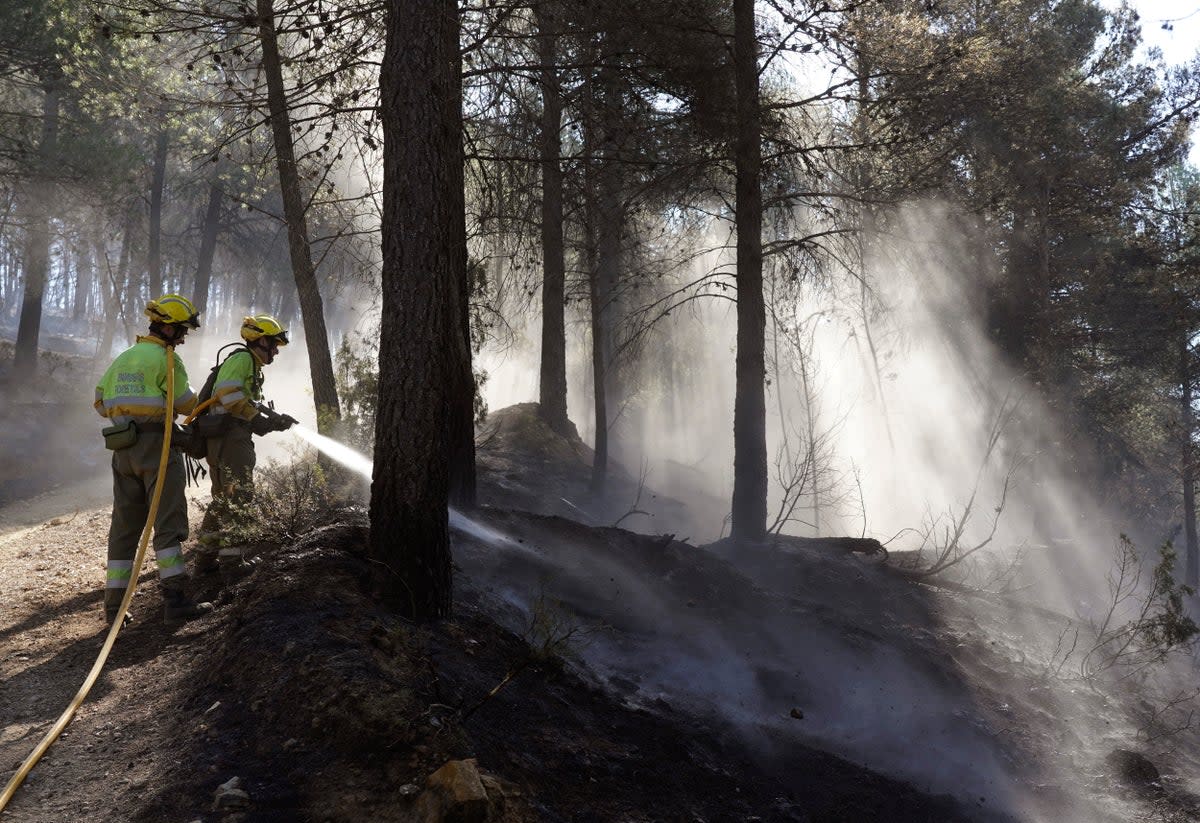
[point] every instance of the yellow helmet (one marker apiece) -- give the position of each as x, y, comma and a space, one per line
263, 325
173, 309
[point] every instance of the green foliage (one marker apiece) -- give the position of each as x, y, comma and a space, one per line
357, 377
1143, 624
480, 376
290, 499
1168, 626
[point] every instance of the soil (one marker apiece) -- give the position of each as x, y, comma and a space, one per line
327, 707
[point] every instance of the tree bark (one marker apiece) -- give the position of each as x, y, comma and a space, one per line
423, 251
608, 217
208, 248
131, 309
316, 337
110, 296
37, 247
552, 387
749, 510
597, 188
1187, 464
458, 341
599, 344
85, 275
154, 273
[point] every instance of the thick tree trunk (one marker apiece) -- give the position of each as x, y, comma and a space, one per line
154, 270
423, 252
461, 418
316, 337
37, 242
208, 248
552, 389
1188, 462
749, 514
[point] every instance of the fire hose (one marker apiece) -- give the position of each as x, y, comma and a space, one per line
65, 718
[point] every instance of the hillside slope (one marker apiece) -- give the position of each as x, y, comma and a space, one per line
592, 673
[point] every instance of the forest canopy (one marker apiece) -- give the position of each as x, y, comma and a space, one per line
580, 175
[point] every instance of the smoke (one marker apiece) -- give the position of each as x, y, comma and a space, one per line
890, 412
892, 415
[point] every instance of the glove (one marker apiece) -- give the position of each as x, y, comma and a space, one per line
260, 424
269, 420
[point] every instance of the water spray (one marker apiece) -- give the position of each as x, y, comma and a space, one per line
341, 453
364, 466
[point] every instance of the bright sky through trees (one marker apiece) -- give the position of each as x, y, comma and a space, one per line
1174, 27
1181, 37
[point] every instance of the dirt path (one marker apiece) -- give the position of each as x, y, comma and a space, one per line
52, 556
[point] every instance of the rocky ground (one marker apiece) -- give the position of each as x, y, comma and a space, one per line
589, 674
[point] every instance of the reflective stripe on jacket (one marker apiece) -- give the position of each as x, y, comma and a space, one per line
135, 385
239, 386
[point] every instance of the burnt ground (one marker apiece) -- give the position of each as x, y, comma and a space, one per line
329, 708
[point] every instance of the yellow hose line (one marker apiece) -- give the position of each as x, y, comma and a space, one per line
196, 411
69, 712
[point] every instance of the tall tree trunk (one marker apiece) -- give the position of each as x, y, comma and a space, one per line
208, 247
85, 275
131, 307
594, 171
423, 253
1187, 464
552, 387
599, 345
461, 417
316, 337
609, 221
749, 514
154, 272
37, 247
613, 129
110, 297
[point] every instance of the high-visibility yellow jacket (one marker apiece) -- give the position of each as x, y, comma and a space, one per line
239, 385
135, 385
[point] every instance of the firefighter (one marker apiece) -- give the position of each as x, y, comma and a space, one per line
132, 394
238, 414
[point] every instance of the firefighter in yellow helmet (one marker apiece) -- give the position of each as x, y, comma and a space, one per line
238, 414
132, 394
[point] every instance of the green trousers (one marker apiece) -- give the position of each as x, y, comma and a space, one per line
135, 477
231, 462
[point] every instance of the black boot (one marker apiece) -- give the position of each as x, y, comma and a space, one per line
177, 606
111, 614
112, 605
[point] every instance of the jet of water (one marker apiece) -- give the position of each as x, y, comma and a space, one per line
348, 457
362, 465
